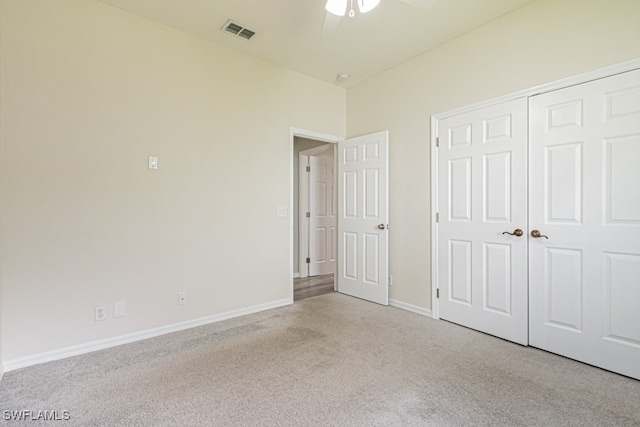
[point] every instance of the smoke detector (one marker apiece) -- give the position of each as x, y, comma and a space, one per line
342, 77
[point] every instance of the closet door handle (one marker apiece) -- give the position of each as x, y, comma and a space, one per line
536, 234
516, 232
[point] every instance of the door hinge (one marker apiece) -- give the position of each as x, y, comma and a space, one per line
437, 216
308, 214
308, 260
438, 293
437, 141
308, 168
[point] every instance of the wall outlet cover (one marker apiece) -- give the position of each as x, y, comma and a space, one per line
182, 298
99, 313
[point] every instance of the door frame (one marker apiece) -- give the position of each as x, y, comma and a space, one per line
536, 90
304, 236
307, 134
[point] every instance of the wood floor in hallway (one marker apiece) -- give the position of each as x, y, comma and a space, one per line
308, 287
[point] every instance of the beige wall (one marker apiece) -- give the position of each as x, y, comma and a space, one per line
88, 93
543, 41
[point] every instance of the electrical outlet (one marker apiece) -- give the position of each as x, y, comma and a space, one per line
119, 309
182, 298
390, 280
99, 313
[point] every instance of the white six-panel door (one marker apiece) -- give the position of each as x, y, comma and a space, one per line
363, 243
482, 196
322, 215
581, 240
585, 198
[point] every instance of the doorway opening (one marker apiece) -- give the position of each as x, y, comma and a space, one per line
314, 209
313, 204
361, 208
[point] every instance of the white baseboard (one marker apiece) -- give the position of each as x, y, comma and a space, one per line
410, 307
62, 353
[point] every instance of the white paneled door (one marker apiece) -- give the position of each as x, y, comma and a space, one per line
482, 205
585, 222
538, 237
363, 236
322, 215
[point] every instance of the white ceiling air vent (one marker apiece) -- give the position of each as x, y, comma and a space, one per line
238, 30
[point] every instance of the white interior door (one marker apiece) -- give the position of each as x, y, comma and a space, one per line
482, 195
585, 198
363, 242
322, 215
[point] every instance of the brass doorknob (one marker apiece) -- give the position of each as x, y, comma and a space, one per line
516, 232
536, 234
382, 226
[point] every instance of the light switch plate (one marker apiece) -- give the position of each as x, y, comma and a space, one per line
120, 309
153, 162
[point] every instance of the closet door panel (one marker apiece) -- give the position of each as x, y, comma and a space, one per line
482, 196
584, 187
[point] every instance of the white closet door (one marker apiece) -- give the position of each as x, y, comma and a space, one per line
482, 195
585, 202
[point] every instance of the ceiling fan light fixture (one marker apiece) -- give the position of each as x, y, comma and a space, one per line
337, 7
367, 5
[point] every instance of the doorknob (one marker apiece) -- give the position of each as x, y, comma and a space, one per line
536, 234
382, 226
516, 232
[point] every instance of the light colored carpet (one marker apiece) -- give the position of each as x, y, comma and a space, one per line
330, 360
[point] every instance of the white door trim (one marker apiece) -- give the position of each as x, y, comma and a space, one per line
435, 314
536, 90
547, 87
301, 133
303, 223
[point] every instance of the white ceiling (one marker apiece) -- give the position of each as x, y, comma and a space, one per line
288, 32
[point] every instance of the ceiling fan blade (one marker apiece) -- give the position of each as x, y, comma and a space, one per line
422, 4
330, 25
337, 7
